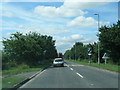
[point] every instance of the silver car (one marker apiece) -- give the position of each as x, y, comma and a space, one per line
58, 62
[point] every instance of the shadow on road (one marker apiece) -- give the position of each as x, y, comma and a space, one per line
57, 67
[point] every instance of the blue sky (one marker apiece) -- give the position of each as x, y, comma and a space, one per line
67, 22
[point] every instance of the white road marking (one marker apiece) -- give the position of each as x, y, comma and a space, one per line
66, 65
71, 69
92, 84
74, 65
31, 80
79, 75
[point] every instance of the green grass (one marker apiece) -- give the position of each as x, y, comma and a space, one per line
0, 83
19, 70
10, 82
110, 67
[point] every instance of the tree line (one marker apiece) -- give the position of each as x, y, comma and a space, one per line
109, 42
30, 49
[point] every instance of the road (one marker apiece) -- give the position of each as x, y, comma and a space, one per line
73, 76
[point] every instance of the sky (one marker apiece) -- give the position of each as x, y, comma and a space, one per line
66, 21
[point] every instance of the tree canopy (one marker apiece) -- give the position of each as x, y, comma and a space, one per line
31, 48
109, 41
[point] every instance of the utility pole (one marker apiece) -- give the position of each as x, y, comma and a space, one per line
98, 39
75, 50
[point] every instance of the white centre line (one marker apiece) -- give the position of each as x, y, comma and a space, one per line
71, 69
79, 75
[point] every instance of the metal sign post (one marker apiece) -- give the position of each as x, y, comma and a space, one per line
89, 53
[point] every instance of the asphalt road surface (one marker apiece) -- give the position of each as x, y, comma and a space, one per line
73, 76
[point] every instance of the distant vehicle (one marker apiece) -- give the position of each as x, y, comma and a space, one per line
58, 62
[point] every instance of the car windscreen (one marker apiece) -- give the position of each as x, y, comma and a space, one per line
59, 60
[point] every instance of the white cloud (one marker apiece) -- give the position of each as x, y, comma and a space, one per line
85, 22
7, 14
53, 12
82, 22
65, 43
70, 8
37, 28
85, 4
41, 29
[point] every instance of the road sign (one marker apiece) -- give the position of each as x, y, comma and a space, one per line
89, 51
105, 56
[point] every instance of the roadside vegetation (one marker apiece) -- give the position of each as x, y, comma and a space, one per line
8, 80
25, 53
31, 49
23, 68
109, 43
0, 70
107, 66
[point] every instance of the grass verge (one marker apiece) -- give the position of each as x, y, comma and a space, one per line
110, 67
10, 82
19, 70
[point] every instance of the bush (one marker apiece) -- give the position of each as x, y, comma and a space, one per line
23, 66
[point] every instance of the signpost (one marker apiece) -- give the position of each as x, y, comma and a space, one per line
89, 53
105, 56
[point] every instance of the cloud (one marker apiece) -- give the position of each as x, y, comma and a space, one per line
74, 38
85, 4
70, 8
7, 14
53, 12
37, 28
81, 21
49, 30
65, 43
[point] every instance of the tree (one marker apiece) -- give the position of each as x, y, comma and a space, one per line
67, 54
30, 48
110, 40
78, 52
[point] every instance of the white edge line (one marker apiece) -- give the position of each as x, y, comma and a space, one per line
71, 69
79, 75
31, 80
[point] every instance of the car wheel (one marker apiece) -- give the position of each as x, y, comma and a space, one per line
54, 66
62, 65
